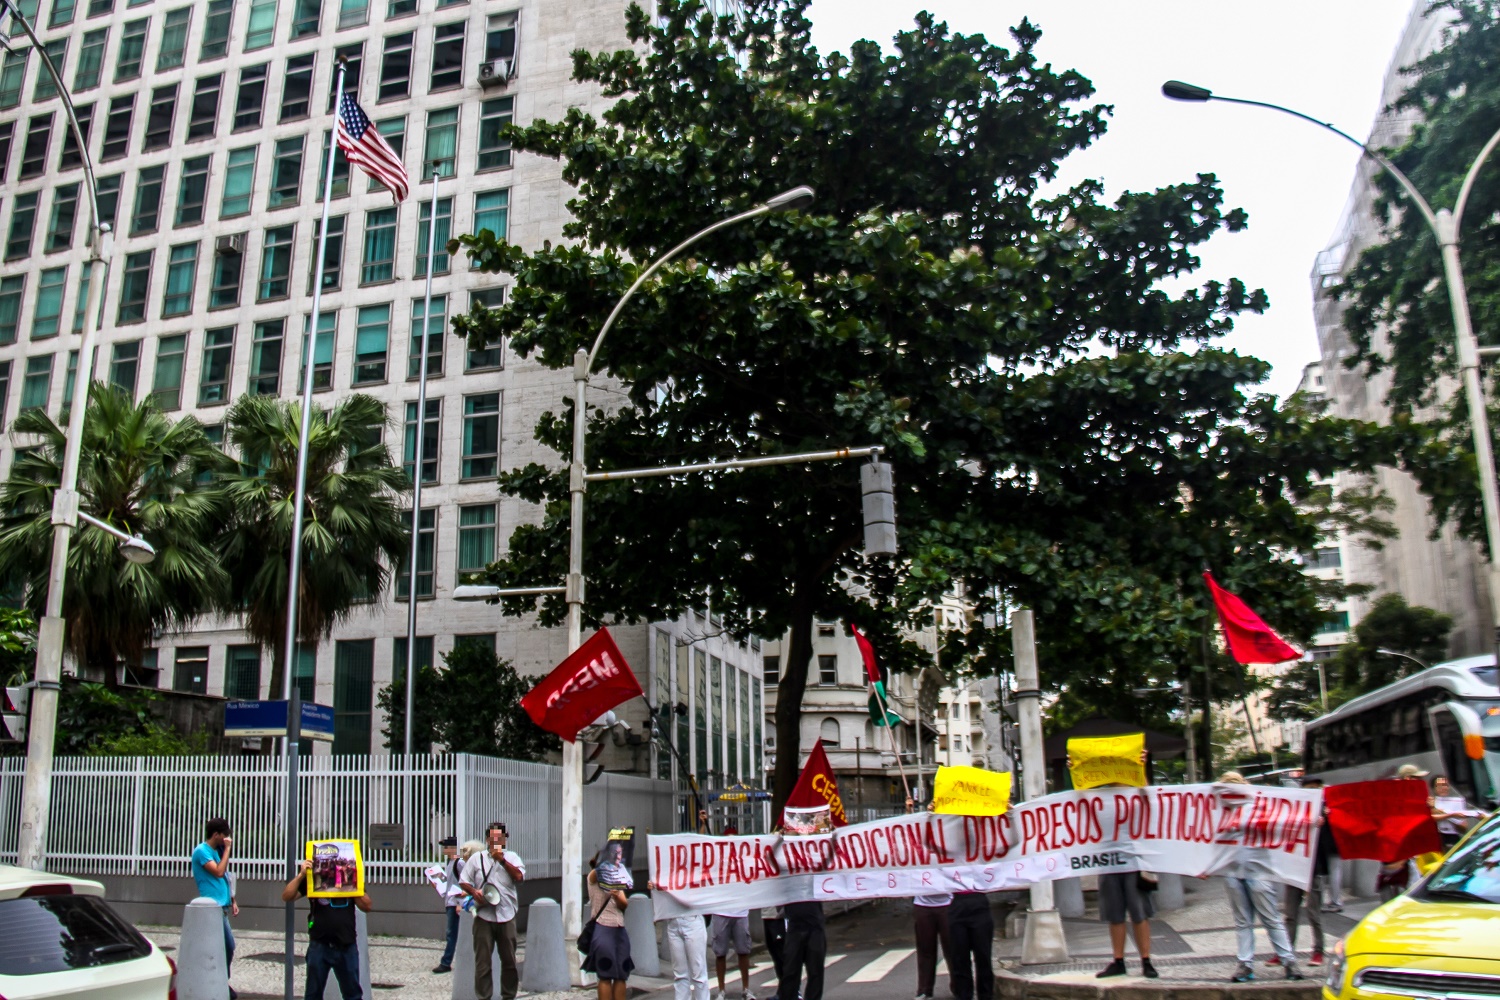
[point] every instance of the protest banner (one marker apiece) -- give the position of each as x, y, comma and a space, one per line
1182, 829
817, 787
1382, 820
1108, 760
970, 791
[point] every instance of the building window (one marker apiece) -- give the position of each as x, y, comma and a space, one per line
242, 673
286, 173
476, 541
322, 351
57, 51
437, 326
448, 56
770, 669
37, 385
305, 677
192, 191
100, 8
393, 131
276, 264
333, 255
70, 156
174, 36
64, 217
430, 430
22, 225
492, 212
250, 101
296, 88
421, 657
49, 301
828, 670
494, 149
426, 546
229, 266
7, 137
441, 152
476, 640
109, 197
80, 306
828, 733
182, 276
159, 120
147, 213
34, 153
239, 183
135, 287
203, 118
10, 307
218, 363
190, 672
353, 13
216, 24
340, 171
1338, 621
493, 353
481, 451
12, 77
132, 49
70, 378
4, 390
305, 22
117, 127
265, 358
1324, 557
372, 340
353, 692
166, 381
395, 67
125, 366
261, 30
424, 234
379, 259
400, 8
62, 13
90, 59
500, 38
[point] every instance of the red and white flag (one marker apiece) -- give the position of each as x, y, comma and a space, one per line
367, 149
590, 682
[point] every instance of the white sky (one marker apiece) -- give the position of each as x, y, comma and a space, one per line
1326, 58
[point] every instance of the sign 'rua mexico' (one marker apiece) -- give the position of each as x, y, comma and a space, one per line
1186, 829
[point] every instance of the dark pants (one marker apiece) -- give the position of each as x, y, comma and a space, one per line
452, 942
806, 946
971, 931
932, 931
342, 962
1312, 901
489, 935
775, 928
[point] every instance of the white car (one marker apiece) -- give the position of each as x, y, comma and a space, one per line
59, 938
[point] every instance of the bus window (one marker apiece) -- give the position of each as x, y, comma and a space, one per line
1456, 763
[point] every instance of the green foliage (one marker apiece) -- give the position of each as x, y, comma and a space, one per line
91, 716
17, 645
155, 740
473, 705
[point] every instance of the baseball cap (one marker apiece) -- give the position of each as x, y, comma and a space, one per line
1410, 771
448, 842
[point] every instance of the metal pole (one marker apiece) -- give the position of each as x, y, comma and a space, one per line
1192, 744
1043, 941
572, 762
36, 785
293, 830
1323, 687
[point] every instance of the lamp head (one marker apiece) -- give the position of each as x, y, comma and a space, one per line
792, 199
475, 592
1179, 91
138, 550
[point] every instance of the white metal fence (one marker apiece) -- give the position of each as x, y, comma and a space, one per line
144, 815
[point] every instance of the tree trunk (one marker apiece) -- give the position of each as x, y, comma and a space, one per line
790, 688
1208, 705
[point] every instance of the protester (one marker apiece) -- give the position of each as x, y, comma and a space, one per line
971, 935
210, 865
494, 923
452, 870
731, 928
930, 918
687, 942
773, 925
1121, 897
332, 941
806, 947
609, 950
1325, 853
1251, 896
1451, 811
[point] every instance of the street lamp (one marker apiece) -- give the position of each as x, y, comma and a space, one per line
1405, 656
134, 548
1445, 227
36, 786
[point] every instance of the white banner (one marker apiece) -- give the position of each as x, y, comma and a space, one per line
1244, 830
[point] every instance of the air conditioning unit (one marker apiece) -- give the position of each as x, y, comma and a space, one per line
495, 73
234, 244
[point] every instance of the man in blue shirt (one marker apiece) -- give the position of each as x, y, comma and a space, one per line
210, 871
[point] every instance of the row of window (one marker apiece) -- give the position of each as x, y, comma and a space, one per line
828, 670
446, 71
722, 733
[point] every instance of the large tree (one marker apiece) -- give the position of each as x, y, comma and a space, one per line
143, 472
1054, 415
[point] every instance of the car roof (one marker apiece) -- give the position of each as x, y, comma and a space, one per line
15, 881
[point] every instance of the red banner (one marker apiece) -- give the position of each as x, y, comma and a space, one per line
1249, 638
1383, 820
818, 786
590, 682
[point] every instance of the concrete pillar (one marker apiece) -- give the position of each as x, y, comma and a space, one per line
362, 942
546, 967
1169, 894
1360, 876
463, 958
1068, 893
202, 969
1043, 942
640, 924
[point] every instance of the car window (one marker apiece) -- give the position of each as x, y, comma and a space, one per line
42, 934
1471, 873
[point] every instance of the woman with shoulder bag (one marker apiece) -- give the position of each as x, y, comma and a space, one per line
608, 952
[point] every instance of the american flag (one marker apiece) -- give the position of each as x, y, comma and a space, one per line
365, 147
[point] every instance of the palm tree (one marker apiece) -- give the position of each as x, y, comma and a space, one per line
145, 473
353, 525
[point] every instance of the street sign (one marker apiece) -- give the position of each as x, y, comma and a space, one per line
268, 718
13, 715
387, 837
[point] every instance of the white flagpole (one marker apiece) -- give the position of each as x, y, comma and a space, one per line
885, 717
294, 571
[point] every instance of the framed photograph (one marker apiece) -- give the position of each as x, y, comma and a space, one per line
335, 869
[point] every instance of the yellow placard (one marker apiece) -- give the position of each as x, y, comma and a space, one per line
335, 868
1108, 760
970, 791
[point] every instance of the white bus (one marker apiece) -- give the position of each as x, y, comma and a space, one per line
1445, 719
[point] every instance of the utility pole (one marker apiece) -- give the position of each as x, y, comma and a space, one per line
1043, 943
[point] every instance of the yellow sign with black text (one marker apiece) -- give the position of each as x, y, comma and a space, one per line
970, 791
1108, 760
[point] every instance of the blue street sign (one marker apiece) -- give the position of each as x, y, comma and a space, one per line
268, 718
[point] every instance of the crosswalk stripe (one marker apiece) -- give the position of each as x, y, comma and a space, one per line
831, 959
875, 971
942, 968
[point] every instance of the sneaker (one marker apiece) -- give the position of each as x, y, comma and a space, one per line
1115, 968
922, 996
1274, 960
1148, 970
1242, 973
1333, 907
747, 995
1292, 972
440, 968
1316, 959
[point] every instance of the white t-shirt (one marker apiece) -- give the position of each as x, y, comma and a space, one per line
481, 869
936, 899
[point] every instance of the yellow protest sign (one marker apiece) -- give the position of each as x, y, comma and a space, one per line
1108, 760
970, 791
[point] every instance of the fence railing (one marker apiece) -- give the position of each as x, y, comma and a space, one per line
144, 815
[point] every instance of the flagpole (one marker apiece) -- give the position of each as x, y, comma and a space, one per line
885, 717
294, 569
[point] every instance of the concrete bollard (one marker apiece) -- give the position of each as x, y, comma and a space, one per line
202, 971
463, 958
1169, 895
362, 942
1360, 877
546, 967
640, 925
1069, 897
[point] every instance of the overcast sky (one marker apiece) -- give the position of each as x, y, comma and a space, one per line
1327, 58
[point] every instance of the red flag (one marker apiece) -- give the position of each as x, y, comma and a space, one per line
1383, 820
818, 786
868, 652
590, 682
1250, 639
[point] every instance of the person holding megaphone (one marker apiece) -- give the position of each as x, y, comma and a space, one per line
490, 878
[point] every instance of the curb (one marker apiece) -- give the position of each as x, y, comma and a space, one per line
1011, 986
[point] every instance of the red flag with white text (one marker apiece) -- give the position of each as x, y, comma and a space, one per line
818, 786
590, 682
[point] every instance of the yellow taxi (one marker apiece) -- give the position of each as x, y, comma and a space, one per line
1439, 941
